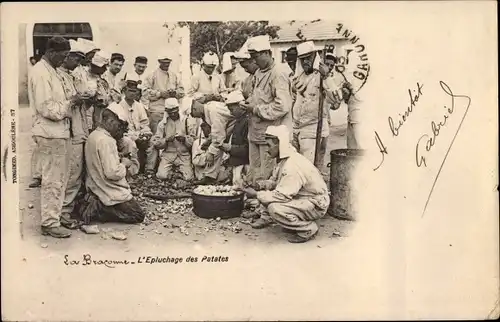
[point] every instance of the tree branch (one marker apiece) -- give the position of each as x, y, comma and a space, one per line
234, 33
217, 45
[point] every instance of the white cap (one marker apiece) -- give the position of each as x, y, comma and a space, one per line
132, 77
210, 59
259, 43
86, 45
76, 47
243, 53
171, 103
305, 48
118, 110
165, 56
227, 63
101, 58
283, 135
234, 97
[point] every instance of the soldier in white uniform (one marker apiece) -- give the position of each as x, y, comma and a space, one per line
51, 129
296, 195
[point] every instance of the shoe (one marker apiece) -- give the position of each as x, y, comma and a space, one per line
288, 231
346, 217
68, 222
35, 183
260, 223
251, 203
249, 215
296, 239
56, 232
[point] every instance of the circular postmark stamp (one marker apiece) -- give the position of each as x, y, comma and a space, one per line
351, 59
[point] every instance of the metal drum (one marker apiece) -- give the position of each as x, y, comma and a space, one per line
342, 164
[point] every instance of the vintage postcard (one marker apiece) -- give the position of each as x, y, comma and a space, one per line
249, 161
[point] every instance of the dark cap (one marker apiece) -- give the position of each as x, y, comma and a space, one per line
58, 43
141, 60
291, 54
291, 51
117, 56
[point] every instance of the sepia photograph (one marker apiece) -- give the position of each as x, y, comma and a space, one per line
203, 131
249, 161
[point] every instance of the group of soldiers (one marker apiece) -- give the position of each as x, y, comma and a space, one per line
95, 128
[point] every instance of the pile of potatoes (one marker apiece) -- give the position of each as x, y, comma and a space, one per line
225, 191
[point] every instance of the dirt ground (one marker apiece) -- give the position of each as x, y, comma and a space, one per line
182, 227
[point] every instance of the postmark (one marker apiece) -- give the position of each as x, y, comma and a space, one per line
352, 59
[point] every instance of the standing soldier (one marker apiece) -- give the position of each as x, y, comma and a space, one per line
338, 90
249, 65
306, 84
353, 102
229, 76
207, 84
52, 132
291, 59
269, 104
95, 87
140, 66
79, 132
139, 131
163, 83
89, 48
115, 82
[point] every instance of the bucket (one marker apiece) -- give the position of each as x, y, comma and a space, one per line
342, 164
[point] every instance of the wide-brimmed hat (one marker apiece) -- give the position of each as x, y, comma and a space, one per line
305, 48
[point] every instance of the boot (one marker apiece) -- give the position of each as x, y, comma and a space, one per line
56, 232
35, 183
68, 222
260, 223
296, 239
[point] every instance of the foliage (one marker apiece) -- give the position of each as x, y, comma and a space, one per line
223, 36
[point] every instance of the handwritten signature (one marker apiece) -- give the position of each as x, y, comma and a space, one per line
436, 128
428, 139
